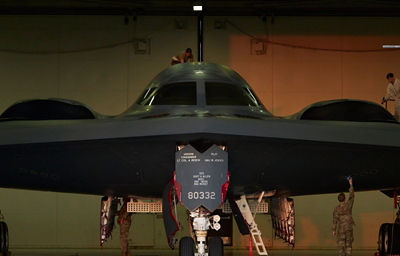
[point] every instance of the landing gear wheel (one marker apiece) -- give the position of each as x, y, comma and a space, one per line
384, 239
3, 238
215, 246
389, 239
186, 246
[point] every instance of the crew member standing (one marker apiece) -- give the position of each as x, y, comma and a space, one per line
124, 221
186, 56
393, 93
343, 222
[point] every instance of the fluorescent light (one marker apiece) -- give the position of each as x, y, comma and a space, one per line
197, 8
390, 46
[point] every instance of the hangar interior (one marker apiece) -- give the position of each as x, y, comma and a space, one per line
105, 61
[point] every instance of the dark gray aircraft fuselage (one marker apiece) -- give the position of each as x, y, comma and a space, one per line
199, 104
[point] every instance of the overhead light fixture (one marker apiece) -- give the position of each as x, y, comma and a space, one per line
197, 6
391, 46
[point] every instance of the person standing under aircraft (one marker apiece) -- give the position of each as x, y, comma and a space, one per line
343, 222
186, 56
393, 93
124, 221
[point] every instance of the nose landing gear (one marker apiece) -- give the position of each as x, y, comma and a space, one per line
201, 181
201, 223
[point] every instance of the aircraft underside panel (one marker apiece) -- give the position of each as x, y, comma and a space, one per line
125, 166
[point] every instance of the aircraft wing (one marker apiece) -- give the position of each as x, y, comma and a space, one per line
136, 156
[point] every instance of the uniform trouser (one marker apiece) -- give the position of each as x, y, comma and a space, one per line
397, 109
344, 241
124, 235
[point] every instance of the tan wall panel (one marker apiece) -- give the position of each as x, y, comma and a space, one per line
302, 77
23, 78
255, 69
26, 214
98, 78
366, 74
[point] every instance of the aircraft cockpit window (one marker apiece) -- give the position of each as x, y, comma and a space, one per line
170, 94
228, 94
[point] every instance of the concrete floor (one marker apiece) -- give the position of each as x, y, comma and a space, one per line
148, 252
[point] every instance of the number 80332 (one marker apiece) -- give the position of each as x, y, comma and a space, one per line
201, 195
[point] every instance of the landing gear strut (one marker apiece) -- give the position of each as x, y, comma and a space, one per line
201, 223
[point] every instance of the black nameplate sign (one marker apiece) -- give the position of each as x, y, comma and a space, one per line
201, 177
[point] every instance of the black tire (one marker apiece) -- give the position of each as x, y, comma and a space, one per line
396, 239
386, 239
3, 238
215, 246
186, 246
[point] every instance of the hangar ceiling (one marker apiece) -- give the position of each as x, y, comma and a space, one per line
211, 7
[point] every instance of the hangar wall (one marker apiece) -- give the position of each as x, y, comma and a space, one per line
86, 59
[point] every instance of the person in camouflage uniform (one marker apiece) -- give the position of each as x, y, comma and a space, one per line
343, 222
124, 221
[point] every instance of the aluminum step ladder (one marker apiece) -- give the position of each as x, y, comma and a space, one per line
254, 231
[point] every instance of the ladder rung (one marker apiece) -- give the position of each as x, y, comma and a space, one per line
258, 242
254, 231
